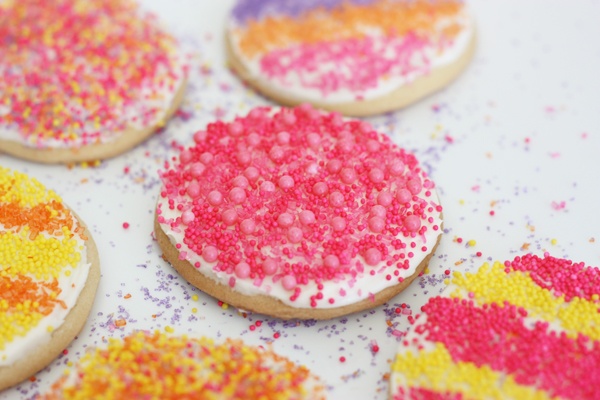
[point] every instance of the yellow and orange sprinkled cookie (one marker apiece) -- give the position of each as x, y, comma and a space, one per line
83, 80
358, 57
523, 329
49, 272
155, 366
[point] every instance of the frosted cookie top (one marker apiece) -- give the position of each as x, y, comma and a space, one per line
346, 50
43, 264
300, 205
527, 328
145, 365
75, 73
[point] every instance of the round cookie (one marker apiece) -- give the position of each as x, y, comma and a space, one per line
49, 273
83, 80
522, 329
358, 57
183, 367
297, 213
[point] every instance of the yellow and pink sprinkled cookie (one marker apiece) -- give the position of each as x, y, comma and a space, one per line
358, 57
297, 213
49, 272
156, 366
83, 80
522, 329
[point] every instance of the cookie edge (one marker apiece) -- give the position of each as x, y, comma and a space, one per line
41, 356
271, 306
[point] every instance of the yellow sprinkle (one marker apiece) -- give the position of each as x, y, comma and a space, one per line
553, 242
471, 243
195, 297
169, 329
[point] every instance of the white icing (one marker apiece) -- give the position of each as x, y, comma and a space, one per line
71, 286
294, 88
363, 287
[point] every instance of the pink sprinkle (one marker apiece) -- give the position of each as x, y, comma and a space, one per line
269, 266
338, 224
384, 199
237, 195
193, 190
336, 199
331, 261
376, 224
412, 223
403, 195
286, 182
197, 169
288, 282
306, 217
210, 254
320, 188
187, 217
285, 219
248, 226
229, 216
294, 234
373, 256
242, 270
347, 175
215, 198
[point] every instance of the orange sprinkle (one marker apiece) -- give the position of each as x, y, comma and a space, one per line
348, 21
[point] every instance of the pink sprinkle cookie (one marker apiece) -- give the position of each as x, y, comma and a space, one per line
522, 329
358, 57
83, 80
297, 213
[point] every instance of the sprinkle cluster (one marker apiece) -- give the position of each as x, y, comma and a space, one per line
78, 72
527, 328
345, 45
37, 246
158, 366
296, 199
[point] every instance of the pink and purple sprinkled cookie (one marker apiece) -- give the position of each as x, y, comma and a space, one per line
358, 57
522, 329
83, 80
49, 273
297, 213
157, 366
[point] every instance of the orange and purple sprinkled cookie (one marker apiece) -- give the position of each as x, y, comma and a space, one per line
523, 329
297, 213
83, 80
358, 57
156, 366
49, 272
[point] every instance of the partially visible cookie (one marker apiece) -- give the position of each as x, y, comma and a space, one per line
358, 57
83, 80
522, 329
145, 365
49, 272
297, 213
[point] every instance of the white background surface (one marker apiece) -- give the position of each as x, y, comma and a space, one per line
517, 134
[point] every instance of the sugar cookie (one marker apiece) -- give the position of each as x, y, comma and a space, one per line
523, 329
358, 57
49, 272
296, 213
83, 80
145, 365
